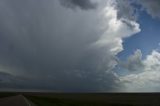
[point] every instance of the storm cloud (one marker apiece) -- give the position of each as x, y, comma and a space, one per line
60, 49
151, 6
126, 10
82, 4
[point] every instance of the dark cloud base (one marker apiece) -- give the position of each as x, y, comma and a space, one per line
82, 4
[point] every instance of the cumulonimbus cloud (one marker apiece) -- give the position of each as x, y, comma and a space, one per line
62, 49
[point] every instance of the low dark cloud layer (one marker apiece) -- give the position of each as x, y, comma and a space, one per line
9, 82
82, 4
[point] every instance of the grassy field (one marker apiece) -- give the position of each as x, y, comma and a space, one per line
52, 101
90, 99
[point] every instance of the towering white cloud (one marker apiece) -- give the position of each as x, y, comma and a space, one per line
115, 29
152, 61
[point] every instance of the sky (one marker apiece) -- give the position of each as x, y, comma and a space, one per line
80, 45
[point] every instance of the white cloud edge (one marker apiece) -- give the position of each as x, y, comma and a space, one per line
147, 79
